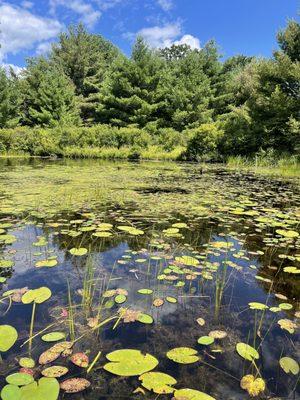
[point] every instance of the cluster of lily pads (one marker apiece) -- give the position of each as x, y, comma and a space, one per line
181, 245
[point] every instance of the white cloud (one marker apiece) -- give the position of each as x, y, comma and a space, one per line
22, 30
190, 40
161, 36
166, 5
166, 36
87, 13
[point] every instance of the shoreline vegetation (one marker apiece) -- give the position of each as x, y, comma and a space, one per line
171, 104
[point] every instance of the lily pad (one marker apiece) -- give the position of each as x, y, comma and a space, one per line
46, 263
80, 359
8, 337
26, 362
75, 385
254, 386
145, 291
53, 336
206, 340
247, 352
258, 306
19, 379
56, 371
11, 392
158, 382
289, 365
145, 318
44, 389
120, 299
183, 355
78, 251
37, 296
129, 362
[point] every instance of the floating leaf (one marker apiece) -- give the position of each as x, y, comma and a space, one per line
6, 263
247, 352
200, 321
285, 306
130, 362
53, 336
287, 234
217, 334
75, 385
26, 362
44, 389
80, 359
289, 365
19, 379
145, 318
120, 299
78, 251
183, 355
56, 371
253, 386
187, 260
190, 394
158, 382
145, 291
287, 325
8, 337
206, 340
37, 295
258, 306
171, 299
158, 302
11, 392
46, 263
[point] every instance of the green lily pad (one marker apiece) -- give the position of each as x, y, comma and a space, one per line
44, 389
37, 296
7, 239
287, 234
183, 355
26, 362
170, 299
19, 379
188, 260
247, 352
56, 371
289, 365
285, 306
145, 291
190, 394
145, 318
8, 337
120, 299
130, 362
78, 252
46, 263
53, 336
158, 382
206, 340
11, 392
258, 306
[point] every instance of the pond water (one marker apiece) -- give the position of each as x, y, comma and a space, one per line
149, 257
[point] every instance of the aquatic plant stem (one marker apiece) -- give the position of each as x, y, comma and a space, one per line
93, 362
31, 326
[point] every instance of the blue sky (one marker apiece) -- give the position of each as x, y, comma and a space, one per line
239, 26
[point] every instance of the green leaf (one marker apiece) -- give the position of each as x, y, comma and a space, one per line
145, 291
145, 318
53, 336
206, 340
190, 394
26, 362
158, 382
36, 295
19, 379
130, 362
120, 299
289, 365
78, 252
11, 392
44, 389
247, 352
8, 337
183, 355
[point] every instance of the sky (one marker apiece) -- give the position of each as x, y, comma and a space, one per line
247, 27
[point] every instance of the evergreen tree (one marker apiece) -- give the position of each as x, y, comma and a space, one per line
85, 58
9, 100
49, 96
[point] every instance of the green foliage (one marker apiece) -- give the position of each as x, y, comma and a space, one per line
49, 96
203, 142
9, 100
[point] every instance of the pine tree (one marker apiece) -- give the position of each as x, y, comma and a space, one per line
49, 96
85, 58
9, 100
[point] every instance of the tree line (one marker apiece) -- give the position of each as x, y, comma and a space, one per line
231, 107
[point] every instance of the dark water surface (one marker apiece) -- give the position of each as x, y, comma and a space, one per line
236, 244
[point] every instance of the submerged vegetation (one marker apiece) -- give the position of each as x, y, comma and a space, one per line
146, 281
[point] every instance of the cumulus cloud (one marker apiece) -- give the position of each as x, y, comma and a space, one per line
166, 5
22, 30
190, 40
43, 48
88, 14
166, 36
17, 70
